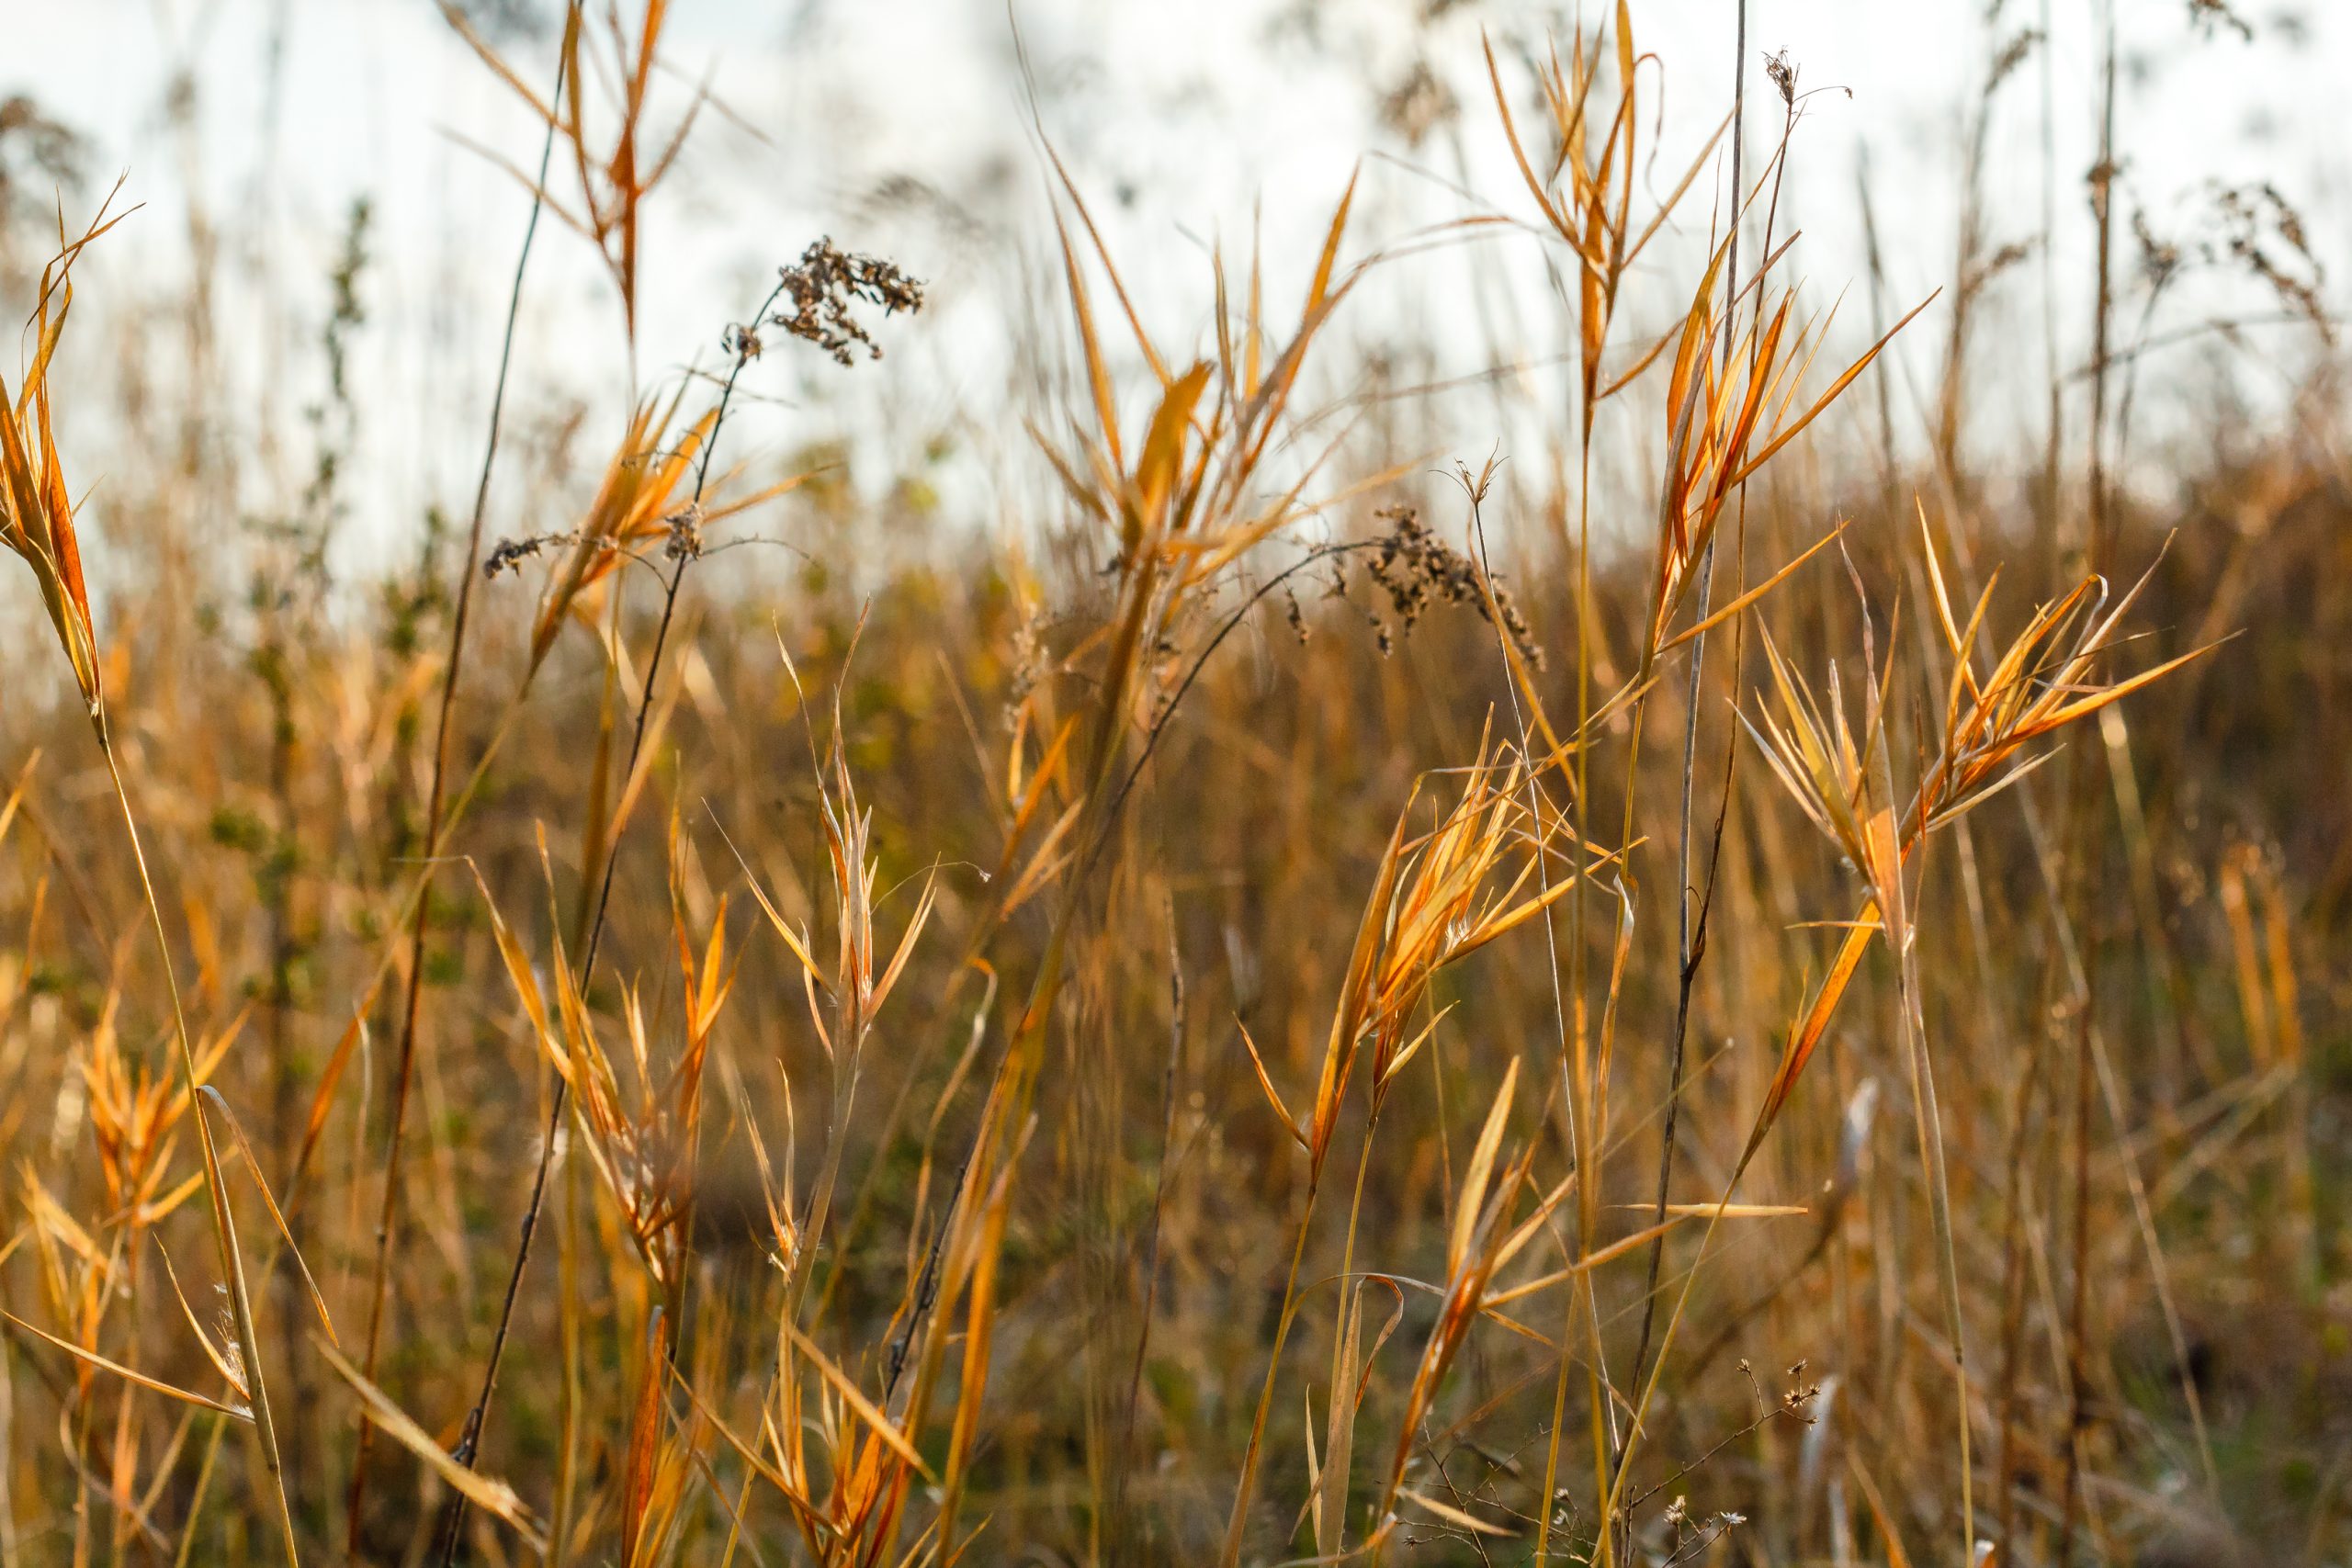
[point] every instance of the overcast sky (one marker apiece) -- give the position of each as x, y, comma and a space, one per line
900, 125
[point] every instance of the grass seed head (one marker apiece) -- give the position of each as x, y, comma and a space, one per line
36, 508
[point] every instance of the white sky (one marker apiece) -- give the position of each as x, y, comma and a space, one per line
1174, 117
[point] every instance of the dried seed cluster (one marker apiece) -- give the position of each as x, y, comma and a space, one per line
1414, 567
1030, 664
510, 554
2209, 14
822, 287
685, 525
2254, 221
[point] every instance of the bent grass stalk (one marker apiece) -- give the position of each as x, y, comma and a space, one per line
224, 1225
36, 522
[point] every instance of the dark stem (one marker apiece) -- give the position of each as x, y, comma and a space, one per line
2103, 209
404, 1072
2095, 543
1160, 724
2013, 1299
278, 877
1691, 937
1159, 1184
470, 1440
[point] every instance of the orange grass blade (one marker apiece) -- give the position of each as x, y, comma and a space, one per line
269, 1202
884, 1427
142, 1378
492, 1495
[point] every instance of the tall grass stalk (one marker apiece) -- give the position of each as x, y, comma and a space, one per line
224, 1224
404, 1071
469, 1447
1686, 939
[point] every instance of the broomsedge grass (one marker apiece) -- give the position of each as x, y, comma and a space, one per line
881, 1241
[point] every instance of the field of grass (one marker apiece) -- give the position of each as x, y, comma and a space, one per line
1226, 1022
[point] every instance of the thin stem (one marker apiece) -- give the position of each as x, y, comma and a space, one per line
1690, 934
1572, 1057
1160, 1183
470, 1441
1339, 1328
1929, 1128
435, 825
224, 1224
2013, 1299
2095, 548
2103, 209
1239, 1520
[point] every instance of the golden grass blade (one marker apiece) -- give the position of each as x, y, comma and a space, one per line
1098, 374
17, 795
153, 1385
1681, 188
644, 1446
804, 1512
1642, 362
1103, 253
505, 72
2083, 708
1319, 291
1790, 432
230, 1373
1806, 1036
1535, 186
794, 942
1480, 1172
643, 772
1413, 1047
1888, 1530
1313, 1508
884, 1427
907, 941
354, 1034
1330, 1488
1454, 1515
489, 1494
1265, 1082
1599, 1256
269, 1202
1163, 445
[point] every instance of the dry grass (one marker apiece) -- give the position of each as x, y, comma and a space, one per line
916, 1029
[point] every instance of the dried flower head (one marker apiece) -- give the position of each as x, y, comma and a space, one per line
1414, 567
2013, 54
1784, 76
742, 342
1417, 105
824, 286
684, 542
2209, 14
510, 554
1027, 669
2261, 232
2159, 257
